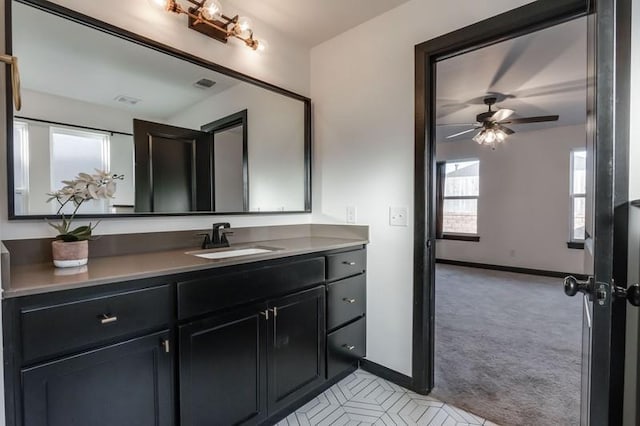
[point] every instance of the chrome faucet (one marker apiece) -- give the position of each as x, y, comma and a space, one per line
218, 237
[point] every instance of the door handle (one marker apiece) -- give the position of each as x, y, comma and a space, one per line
573, 286
631, 293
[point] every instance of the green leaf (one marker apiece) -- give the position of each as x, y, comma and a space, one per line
67, 238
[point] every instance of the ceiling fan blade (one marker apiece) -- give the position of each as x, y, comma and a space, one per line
462, 133
507, 130
539, 119
502, 114
456, 124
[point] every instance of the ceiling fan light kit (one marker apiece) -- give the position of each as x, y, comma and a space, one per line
206, 17
491, 124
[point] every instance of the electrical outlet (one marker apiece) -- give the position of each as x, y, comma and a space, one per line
398, 216
351, 214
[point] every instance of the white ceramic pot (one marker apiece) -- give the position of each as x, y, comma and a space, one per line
71, 254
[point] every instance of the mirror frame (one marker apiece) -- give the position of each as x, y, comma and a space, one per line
112, 30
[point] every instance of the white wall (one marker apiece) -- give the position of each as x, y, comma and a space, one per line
362, 86
275, 132
285, 64
524, 205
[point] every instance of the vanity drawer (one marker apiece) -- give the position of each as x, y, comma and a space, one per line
345, 264
345, 347
63, 328
346, 300
223, 290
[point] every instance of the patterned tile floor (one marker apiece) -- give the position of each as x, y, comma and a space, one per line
365, 399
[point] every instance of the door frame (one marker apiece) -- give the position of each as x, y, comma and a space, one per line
613, 81
237, 119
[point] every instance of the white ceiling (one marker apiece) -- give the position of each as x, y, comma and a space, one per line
542, 73
88, 65
312, 21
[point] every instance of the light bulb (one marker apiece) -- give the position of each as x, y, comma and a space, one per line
244, 24
211, 9
158, 4
491, 136
500, 135
262, 45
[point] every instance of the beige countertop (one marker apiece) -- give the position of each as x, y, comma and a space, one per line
30, 279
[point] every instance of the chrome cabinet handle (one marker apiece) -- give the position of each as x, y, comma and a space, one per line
349, 347
107, 319
349, 263
349, 300
265, 313
165, 345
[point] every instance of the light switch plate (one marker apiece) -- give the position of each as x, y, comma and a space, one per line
351, 214
398, 216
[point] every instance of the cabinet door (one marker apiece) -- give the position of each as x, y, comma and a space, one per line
127, 384
296, 352
222, 369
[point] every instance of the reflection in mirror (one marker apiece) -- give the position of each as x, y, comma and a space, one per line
186, 138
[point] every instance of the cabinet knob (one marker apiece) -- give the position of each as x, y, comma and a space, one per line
346, 299
108, 319
349, 347
349, 263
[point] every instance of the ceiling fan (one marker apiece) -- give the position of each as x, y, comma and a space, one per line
491, 124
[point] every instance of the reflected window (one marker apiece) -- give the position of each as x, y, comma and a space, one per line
461, 189
578, 193
21, 167
75, 151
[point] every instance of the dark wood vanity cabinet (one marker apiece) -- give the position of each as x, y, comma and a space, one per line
240, 367
346, 307
238, 345
129, 383
223, 369
296, 346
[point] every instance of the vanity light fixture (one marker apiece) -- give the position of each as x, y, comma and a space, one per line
15, 79
206, 17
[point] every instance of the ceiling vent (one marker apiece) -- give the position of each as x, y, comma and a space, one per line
204, 83
127, 100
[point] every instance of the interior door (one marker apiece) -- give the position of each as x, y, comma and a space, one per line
173, 167
606, 220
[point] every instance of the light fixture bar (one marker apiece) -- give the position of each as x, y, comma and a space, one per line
220, 29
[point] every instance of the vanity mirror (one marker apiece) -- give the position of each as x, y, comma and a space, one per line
189, 136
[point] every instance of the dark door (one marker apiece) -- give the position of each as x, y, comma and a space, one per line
606, 214
223, 370
608, 34
130, 384
296, 353
173, 168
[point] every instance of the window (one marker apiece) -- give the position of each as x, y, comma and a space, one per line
75, 151
21, 167
458, 191
578, 194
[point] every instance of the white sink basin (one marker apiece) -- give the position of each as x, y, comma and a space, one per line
225, 253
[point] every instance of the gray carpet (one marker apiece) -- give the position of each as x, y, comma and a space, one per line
507, 346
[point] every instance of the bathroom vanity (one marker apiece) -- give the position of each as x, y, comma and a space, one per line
239, 340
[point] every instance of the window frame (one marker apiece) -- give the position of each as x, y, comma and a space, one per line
461, 236
574, 243
23, 151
